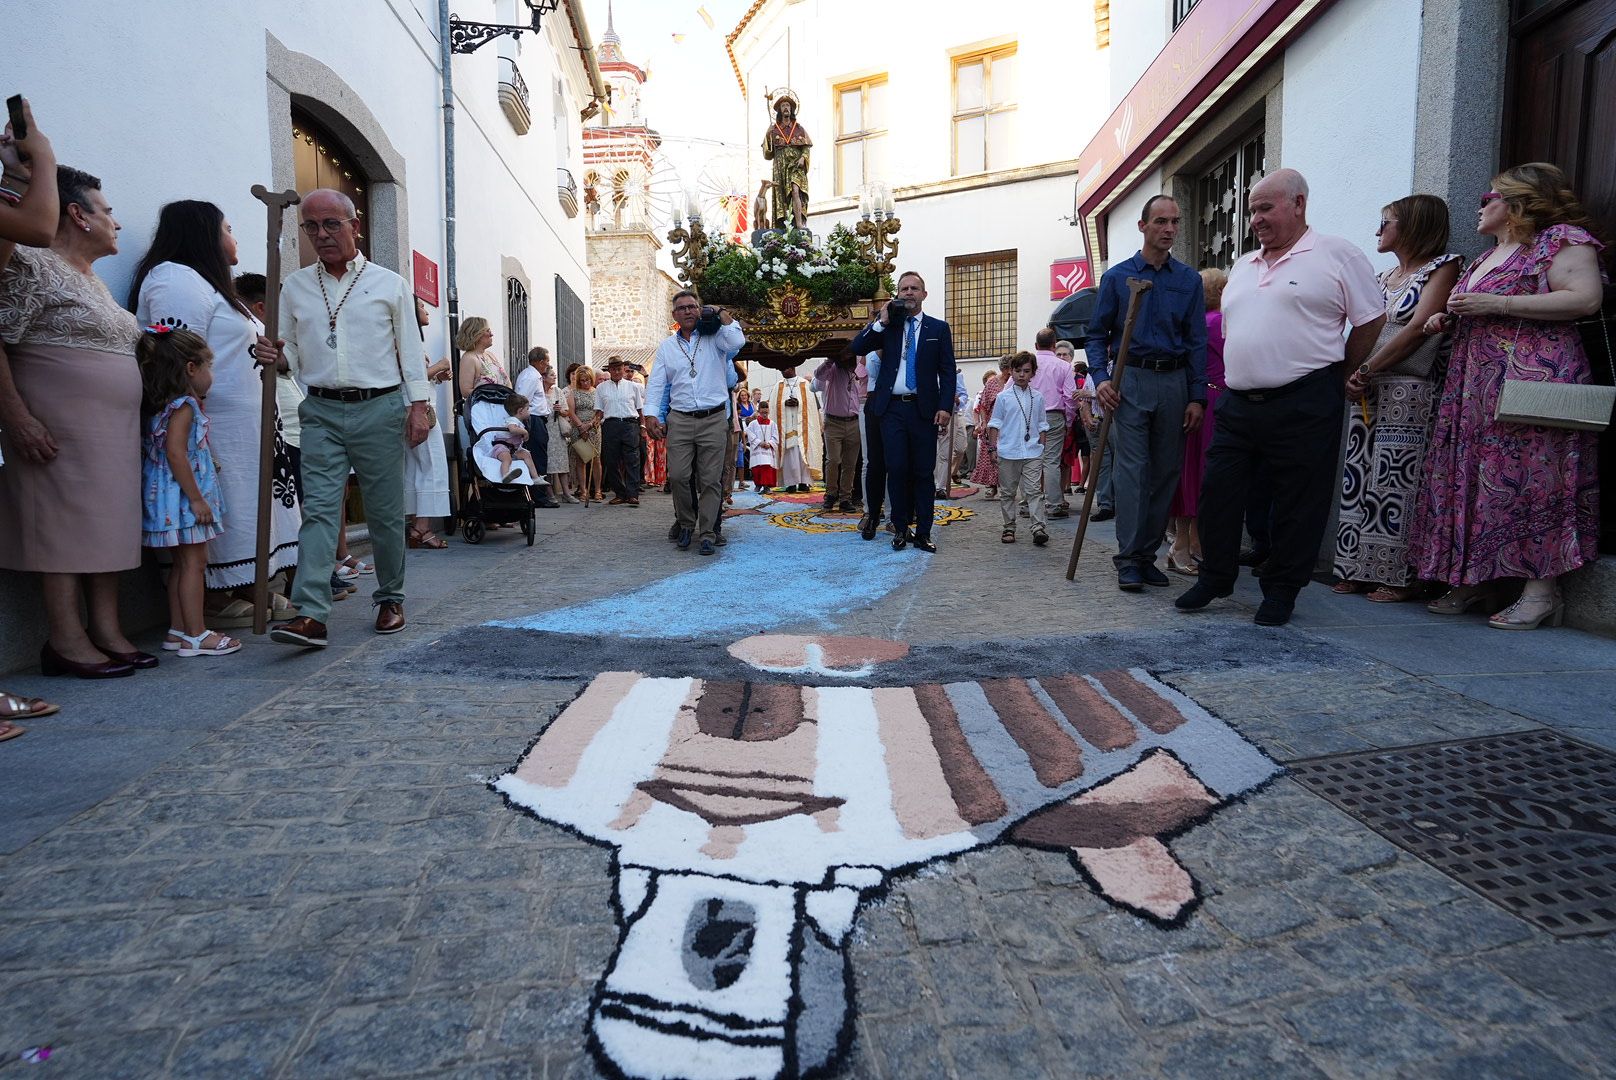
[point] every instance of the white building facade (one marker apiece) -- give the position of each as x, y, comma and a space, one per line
973, 115
202, 101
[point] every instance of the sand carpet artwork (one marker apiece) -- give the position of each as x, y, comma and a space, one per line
803, 511
751, 818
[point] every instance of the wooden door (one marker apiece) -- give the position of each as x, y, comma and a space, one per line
322, 162
1560, 107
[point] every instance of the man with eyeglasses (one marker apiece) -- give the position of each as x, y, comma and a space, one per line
688, 399
351, 341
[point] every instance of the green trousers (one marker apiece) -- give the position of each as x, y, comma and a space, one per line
367, 436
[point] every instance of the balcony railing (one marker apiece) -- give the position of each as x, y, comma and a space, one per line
567, 191
513, 96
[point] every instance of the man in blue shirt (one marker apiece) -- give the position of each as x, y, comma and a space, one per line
1163, 392
689, 392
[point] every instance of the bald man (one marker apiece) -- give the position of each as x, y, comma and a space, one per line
1285, 357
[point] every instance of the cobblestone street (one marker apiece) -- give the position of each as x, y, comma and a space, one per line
288, 864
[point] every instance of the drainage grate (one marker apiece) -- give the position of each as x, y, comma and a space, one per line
1528, 819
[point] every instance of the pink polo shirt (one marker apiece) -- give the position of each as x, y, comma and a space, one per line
1283, 321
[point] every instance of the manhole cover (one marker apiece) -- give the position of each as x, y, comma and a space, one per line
1527, 819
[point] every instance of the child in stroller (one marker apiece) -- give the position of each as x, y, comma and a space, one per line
500, 473
513, 443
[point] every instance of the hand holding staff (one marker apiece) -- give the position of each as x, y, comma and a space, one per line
1137, 288
276, 202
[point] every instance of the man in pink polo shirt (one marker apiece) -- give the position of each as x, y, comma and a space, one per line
1054, 380
1284, 312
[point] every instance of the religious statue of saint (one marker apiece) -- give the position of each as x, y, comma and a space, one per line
786, 144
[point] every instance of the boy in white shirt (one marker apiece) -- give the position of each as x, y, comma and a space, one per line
1018, 417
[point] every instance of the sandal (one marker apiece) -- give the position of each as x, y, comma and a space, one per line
1346, 587
1460, 599
17, 707
1392, 594
355, 566
1187, 569
171, 640
1008, 536
1549, 608
8, 730
222, 644
418, 537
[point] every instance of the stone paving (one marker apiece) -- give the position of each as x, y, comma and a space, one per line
322, 885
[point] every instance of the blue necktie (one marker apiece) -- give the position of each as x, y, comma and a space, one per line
909, 353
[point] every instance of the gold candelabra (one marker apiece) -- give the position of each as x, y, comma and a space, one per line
690, 252
875, 235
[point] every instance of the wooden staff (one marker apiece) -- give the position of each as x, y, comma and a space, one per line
1137, 287
276, 202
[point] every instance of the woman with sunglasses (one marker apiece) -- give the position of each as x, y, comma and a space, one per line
1501, 500
1390, 401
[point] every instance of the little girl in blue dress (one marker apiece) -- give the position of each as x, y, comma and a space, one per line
182, 509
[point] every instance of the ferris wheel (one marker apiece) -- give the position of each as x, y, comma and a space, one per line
707, 173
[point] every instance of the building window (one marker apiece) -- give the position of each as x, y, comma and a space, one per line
1181, 10
516, 324
984, 110
979, 302
1222, 217
861, 134
569, 328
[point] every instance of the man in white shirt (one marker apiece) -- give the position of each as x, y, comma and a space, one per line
951, 442
350, 339
621, 403
530, 384
689, 398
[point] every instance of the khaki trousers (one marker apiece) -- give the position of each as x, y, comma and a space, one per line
842, 455
1028, 472
696, 446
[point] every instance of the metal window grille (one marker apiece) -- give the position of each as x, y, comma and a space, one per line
1181, 10
1222, 219
979, 302
516, 324
569, 327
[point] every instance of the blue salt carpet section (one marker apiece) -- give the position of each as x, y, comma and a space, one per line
765, 577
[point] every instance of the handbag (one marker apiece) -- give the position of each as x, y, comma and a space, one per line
1574, 406
583, 448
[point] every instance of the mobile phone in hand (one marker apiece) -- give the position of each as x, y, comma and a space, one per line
19, 122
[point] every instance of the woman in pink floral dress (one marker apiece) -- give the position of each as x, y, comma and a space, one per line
1501, 500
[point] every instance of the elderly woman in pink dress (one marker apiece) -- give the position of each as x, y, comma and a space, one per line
70, 412
1499, 500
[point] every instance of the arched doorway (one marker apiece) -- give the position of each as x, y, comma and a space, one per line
321, 161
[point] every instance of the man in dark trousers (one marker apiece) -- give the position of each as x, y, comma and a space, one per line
914, 399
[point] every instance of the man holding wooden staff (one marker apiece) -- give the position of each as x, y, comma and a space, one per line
1163, 396
351, 340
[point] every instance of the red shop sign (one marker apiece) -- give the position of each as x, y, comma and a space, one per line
426, 279
1067, 276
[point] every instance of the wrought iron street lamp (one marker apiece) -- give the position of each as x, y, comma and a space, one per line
465, 37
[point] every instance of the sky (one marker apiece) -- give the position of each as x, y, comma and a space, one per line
691, 97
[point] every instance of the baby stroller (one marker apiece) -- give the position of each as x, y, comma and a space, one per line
485, 498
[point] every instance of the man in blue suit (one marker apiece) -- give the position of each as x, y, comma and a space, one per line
913, 396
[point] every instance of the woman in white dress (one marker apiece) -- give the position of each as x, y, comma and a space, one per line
184, 280
426, 465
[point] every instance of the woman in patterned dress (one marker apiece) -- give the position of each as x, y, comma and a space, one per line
1502, 500
986, 472
586, 419
70, 489
1390, 401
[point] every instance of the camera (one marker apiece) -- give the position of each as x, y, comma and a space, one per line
897, 311
709, 321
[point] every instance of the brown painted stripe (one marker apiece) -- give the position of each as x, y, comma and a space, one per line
1152, 711
1095, 718
921, 799
718, 712
774, 710
1056, 757
554, 758
975, 795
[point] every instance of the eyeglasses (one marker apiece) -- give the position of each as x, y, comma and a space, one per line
1385, 224
1491, 196
687, 307
330, 225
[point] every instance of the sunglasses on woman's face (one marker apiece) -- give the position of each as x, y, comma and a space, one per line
1491, 196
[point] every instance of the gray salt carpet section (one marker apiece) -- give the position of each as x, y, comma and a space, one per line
499, 653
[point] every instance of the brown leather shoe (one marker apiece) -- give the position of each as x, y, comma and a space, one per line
389, 617
302, 630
